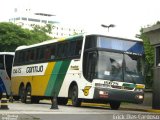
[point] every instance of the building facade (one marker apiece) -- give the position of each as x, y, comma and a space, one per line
153, 33
27, 19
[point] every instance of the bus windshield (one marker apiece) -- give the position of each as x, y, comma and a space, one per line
133, 68
119, 67
109, 66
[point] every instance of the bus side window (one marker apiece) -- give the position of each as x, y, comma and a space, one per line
27, 56
78, 48
60, 51
53, 52
72, 48
40, 54
1, 62
21, 57
47, 52
31, 55
66, 48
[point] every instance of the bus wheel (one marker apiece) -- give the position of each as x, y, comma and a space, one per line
115, 105
28, 94
62, 101
16, 98
74, 96
22, 94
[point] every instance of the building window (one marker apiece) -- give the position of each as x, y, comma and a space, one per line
51, 22
34, 20
44, 21
18, 18
158, 56
24, 18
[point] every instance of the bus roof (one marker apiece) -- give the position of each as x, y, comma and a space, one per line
7, 53
69, 38
48, 42
117, 37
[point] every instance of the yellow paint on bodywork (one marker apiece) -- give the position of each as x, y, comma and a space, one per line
38, 83
61, 39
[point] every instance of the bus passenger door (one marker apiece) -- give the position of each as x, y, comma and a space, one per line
2, 86
8, 64
91, 65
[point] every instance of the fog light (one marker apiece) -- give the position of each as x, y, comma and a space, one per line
101, 92
139, 96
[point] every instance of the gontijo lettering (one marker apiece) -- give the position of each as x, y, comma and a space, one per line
34, 69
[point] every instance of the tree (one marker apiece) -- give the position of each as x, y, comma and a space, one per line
46, 29
12, 36
149, 59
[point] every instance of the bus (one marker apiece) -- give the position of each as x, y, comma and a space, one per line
86, 67
6, 60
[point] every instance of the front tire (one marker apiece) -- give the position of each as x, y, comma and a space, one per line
115, 105
74, 96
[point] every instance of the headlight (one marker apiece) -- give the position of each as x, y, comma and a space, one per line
139, 90
139, 96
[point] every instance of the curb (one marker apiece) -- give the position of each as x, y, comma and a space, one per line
121, 108
154, 111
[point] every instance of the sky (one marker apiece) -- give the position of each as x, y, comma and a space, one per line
128, 16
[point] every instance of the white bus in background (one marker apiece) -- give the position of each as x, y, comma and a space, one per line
6, 60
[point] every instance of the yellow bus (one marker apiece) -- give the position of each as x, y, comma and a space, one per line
87, 67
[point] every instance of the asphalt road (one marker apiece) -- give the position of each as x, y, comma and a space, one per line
42, 111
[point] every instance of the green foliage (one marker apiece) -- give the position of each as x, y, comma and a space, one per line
12, 36
149, 59
46, 29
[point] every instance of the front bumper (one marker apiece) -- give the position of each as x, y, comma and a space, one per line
118, 95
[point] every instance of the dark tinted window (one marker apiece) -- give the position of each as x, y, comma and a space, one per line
72, 48
1, 62
9, 61
158, 56
69, 49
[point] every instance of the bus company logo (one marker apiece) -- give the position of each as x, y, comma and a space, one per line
34, 69
75, 67
86, 90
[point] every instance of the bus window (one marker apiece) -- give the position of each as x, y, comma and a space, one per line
31, 55
8, 63
91, 65
1, 62
47, 52
72, 48
40, 53
21, 57
66, 48
90, 42
78, 48
53, 52
60, 51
